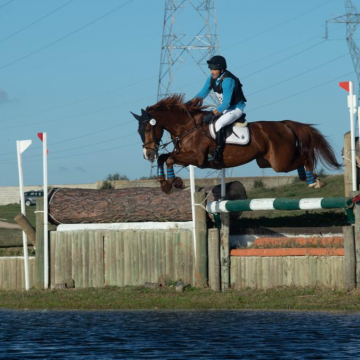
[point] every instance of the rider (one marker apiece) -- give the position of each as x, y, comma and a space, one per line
227, 88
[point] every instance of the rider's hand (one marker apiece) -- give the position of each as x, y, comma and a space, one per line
208, 118
188, 103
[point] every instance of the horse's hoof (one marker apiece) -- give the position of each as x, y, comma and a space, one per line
166, 187
318, 184
178, 183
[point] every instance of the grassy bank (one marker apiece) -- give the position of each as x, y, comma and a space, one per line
140, 298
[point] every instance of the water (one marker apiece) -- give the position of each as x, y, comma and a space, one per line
178, 335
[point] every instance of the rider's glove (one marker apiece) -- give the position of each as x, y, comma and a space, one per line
208, 118
188, 103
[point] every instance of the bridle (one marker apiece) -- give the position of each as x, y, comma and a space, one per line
176, 140
154, 139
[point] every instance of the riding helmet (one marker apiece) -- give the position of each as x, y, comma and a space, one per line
217, 62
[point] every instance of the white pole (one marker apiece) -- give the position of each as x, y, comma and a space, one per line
352, 109
46, 241
223, 183
21, 146
192, 190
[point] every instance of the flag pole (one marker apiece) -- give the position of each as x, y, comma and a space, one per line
192, 191
351, 99
21, 146
46, 240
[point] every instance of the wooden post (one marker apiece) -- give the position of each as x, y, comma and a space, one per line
349, 258
347, 163
225, 251
214, 259
39, 244
201, 260
25, 226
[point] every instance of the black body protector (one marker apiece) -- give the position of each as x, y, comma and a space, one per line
237, 95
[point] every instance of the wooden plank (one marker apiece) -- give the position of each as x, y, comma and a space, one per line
127, 257
224, 250
214, 260
349, 258
120, 258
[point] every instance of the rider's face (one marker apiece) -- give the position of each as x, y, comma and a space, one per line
215, 73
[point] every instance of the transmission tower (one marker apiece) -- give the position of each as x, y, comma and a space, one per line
352, 21
186, 40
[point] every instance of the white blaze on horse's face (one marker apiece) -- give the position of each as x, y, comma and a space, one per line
150, 154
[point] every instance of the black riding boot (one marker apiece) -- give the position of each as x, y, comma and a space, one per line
220, 145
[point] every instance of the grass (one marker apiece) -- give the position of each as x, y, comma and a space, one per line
298, 218
140, 298
8, 213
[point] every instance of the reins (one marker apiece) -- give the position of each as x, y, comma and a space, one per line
177, 139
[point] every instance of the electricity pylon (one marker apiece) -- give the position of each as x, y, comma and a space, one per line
186, 42
352, 21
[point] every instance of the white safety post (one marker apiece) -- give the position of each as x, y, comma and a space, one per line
223, 183
192, 190
348, 86
43, 138
21, 146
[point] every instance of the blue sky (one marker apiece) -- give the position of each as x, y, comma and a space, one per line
75, 69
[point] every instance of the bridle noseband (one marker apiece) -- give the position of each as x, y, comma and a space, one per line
153, 123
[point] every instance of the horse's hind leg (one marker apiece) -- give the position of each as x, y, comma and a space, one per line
301, 173
311, 180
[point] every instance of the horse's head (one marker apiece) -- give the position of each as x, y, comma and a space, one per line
151, 133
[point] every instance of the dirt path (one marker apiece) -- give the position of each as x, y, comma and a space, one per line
7, 225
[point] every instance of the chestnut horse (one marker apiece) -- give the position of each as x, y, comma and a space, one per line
282, 145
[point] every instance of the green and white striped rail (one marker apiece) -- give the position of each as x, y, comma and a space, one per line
215, 207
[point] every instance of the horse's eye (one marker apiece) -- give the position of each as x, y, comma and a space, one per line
147, 130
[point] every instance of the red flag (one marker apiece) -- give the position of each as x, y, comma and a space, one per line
345, 85
40, 136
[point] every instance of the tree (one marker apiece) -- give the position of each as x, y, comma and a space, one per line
107, 183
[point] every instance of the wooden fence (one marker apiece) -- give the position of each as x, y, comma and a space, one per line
120, 258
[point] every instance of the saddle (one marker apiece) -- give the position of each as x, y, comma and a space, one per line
236, 133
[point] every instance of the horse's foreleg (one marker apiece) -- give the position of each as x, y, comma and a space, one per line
165, 185
172, 179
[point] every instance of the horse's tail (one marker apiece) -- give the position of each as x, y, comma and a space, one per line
313, 145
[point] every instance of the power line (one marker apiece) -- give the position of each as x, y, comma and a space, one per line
153, 77
78, 101
65, 36
282, 60
301, 92
297, 75
276, 26
35, 22
9, 2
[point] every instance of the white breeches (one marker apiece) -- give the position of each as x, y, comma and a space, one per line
228, 117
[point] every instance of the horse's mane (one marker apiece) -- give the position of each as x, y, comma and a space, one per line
176, 102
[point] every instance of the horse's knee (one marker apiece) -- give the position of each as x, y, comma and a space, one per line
178, 183
166, 187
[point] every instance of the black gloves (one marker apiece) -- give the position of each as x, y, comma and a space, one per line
208, 118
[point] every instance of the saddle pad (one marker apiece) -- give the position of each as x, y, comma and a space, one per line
235, 135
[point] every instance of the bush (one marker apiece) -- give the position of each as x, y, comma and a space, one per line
258, 184
107, 185
116, 176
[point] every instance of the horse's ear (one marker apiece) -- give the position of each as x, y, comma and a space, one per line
137, 117
144, 114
